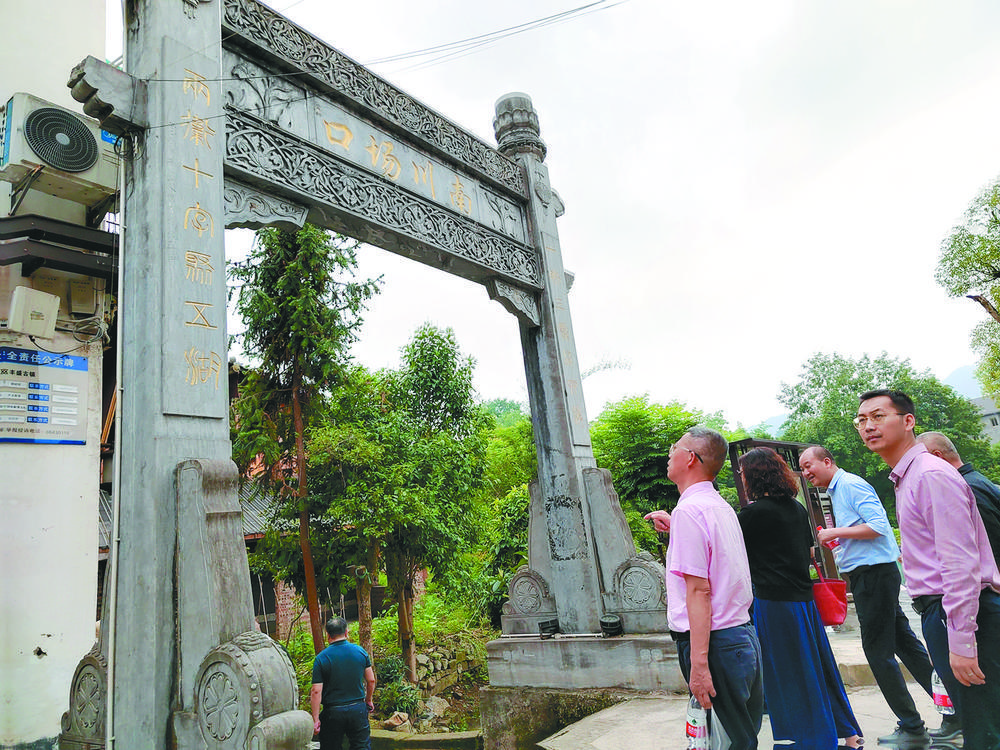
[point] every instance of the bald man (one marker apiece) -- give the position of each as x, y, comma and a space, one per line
987, 494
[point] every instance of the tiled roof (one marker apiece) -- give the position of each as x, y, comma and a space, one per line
257, 510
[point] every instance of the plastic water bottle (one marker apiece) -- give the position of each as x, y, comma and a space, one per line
832, 544
942, 702
697, 726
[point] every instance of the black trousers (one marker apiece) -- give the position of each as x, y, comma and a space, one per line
886, 634
977, 705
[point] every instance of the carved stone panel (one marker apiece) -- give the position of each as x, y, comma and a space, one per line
248, 24
270, 97
564, 516
528, 594
83, 723
639, 584
252, 209
529, 602
253, 89
238, 685
258, 153
518, 302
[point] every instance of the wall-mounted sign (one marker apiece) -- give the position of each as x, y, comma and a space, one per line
43, 397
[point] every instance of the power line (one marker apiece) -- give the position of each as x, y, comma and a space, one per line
483, 39
473, 48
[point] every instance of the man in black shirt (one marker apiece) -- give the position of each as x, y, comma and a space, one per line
987, 494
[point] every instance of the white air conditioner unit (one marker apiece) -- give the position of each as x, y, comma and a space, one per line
77, 158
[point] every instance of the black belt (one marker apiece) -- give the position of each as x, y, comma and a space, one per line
923, 603
682, 637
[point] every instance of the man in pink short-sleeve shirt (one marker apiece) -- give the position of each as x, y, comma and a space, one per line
708, 591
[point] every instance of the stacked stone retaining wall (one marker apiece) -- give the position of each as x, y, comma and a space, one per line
441, 667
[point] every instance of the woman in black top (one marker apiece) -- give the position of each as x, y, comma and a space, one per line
805, 695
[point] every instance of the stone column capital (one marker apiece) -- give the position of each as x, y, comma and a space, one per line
516, 127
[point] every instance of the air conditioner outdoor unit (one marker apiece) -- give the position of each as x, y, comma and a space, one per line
77, 158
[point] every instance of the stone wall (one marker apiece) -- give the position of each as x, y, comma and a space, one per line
440, 667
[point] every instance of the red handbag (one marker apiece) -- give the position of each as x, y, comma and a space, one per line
831, 598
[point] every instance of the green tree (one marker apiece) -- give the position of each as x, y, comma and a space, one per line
511, 464
506, 412
969, 266
825, 399
301, 311
407, 472
631, 439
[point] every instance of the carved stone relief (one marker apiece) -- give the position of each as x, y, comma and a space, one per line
264, 28
252, 209
83, 724
564, 517
239, 684
190, 6
504, 216
269, 97
280, 158
528, 594
639, 584
518, 302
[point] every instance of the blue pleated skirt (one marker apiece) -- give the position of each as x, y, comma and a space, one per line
802, 686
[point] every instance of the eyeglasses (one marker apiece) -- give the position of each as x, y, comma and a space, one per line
875, 419
674, 447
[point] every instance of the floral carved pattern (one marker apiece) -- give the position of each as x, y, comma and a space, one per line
88, 700
253, 23
638, 589
282, 159
265, 95
83, 724
517, 301
246, 207
564, 518
526, 596
220, 706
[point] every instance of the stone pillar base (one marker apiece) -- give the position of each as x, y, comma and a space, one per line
630, 662
538, 687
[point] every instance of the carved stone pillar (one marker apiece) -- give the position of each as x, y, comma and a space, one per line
581, 558
188, 670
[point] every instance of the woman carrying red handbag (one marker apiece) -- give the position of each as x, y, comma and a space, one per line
805, 695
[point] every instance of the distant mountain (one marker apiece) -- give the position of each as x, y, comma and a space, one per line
964, 381
773, 425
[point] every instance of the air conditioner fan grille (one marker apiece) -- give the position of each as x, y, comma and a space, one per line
60, 139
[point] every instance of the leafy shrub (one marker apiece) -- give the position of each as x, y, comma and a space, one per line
433, 618
389, 670
397, 696
300, 650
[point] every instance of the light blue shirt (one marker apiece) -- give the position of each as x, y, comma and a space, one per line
855, 502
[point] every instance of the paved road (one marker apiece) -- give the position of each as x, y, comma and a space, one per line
650, 723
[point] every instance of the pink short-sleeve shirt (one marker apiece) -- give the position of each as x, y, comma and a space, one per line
706, 541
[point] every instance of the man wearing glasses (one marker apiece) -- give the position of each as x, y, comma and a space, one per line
868, 554
708, 591
949, 566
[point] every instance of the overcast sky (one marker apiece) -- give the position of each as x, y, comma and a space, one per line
745, 183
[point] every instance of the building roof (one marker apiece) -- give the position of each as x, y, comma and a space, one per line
257, 512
